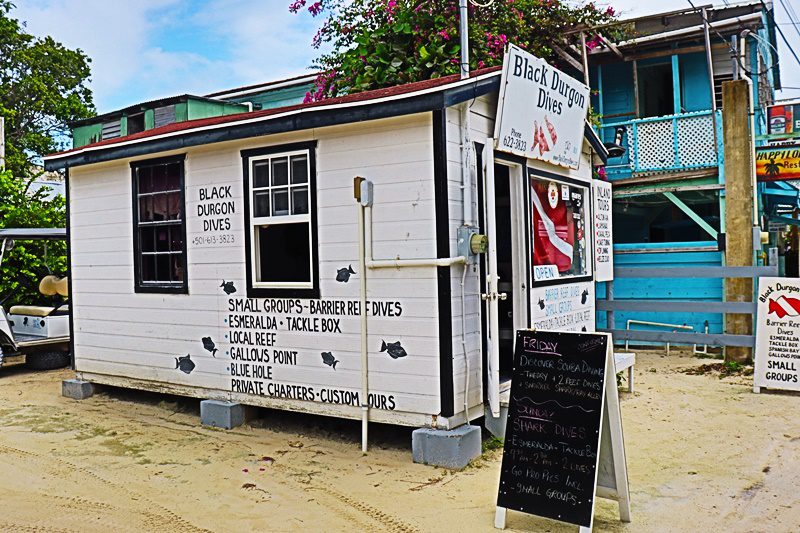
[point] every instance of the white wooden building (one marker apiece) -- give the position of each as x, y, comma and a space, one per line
218, 258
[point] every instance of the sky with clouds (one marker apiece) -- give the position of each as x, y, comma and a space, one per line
145, 49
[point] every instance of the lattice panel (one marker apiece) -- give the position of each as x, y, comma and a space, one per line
696, 141
655, 146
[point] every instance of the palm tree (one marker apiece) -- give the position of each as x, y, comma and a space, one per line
772, 169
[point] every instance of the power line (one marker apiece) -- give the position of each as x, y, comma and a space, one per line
780, 32
734, 53
792, 16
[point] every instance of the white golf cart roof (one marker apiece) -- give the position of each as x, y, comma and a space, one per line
33, 234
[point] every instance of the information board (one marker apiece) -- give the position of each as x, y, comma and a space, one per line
603, 231
550, 454
778, 334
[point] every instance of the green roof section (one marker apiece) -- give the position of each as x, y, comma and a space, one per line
155, 113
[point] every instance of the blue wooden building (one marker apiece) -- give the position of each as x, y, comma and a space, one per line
657, 89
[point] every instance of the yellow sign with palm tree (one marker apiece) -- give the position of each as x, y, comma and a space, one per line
778, 163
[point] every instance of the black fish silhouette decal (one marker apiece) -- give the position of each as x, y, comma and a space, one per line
209, 345
228, 287
343, 274
541, 303
184, 364
394, 349
584, 295
329, 359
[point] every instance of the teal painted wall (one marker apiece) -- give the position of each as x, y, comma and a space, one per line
181, 112
270, 99
617, 92
83, 135
695, 92
203, 109
616, 98
702, 289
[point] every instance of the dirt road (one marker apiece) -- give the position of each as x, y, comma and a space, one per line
703, 454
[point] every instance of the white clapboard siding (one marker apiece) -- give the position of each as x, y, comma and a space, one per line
482, 127
310, 370
123, 334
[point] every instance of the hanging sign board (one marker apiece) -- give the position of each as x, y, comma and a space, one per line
541, 110
778, 163
555, 412
603, 241
777, 364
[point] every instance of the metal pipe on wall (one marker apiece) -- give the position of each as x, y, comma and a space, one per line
752, 113
363, 321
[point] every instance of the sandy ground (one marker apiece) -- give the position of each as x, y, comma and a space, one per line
704, 454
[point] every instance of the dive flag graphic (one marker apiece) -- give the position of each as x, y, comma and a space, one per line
784, 306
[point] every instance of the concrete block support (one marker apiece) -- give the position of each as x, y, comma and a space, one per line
77, 389
219, 414
453, 448
496, 426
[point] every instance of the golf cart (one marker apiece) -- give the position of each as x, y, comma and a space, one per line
37, 335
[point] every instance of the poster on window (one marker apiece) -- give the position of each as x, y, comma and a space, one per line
560, 244
603, 233
541, 111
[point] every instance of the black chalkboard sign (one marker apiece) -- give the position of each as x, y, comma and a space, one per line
553, 427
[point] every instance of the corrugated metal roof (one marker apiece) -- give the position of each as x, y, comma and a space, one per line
287, 82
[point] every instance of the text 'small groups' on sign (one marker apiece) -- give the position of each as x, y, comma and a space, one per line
541, 111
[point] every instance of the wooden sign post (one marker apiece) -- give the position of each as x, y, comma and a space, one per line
563, 444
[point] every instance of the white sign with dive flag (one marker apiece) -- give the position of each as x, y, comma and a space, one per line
541, 111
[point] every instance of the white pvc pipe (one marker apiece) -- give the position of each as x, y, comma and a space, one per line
463, 30
465, 122
466, 165
366, 262
400, 263
648, 323
464, 345
752, 112
363, 320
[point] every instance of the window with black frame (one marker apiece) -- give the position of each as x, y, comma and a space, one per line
282, 228
159, 225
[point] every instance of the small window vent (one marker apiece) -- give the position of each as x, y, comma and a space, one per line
111, 130
164, 115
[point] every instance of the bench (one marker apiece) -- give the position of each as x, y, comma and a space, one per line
625, 360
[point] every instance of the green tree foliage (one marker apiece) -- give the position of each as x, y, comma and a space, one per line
380, 43
42, 87
26, 263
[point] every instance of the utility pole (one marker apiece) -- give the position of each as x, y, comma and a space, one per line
739, 208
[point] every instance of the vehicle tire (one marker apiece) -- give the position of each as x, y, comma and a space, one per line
48, 360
